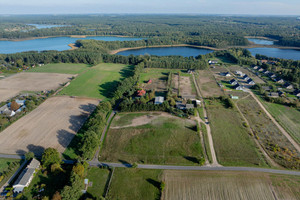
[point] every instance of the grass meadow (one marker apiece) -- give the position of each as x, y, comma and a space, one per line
165, 140
99, 178
232, 142
98, 82
135, 184
63, 68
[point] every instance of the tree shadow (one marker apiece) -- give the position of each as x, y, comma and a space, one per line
77, 121
106, 89
191, 159
64, 137
87, 108
156, 184
37, 150
127, 71
125, 163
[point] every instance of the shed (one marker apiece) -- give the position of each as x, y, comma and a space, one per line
159, 100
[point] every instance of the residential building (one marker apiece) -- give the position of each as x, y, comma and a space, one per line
250, 82
233, 82
239, 73
288, 86
159, 100
273, 94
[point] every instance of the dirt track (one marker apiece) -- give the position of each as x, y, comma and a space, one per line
53, 124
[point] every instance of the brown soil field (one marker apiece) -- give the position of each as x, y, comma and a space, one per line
175, 82
214, 185
185, 86
208, 85
157, 84
7, 94
34, 81
53, 124
256, 79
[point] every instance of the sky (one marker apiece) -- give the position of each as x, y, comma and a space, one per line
239, 7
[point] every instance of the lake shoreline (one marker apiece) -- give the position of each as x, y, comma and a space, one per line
70, 36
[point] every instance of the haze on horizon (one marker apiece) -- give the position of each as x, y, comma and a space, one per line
230, 7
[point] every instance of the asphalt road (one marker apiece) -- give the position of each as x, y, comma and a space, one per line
197, 168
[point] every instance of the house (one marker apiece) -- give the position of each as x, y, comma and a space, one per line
159, 100
266, 72
212, 62
233, 82
198, 102
272, 75
281, 94
189, 106
26, 176
239, 73
150, 81
288, 86
279, 80
255, 67
261, 69
225, 74
238, 87
297, 93
245, 77
250, 82
141, 93
234, 97
182, 106
273, 94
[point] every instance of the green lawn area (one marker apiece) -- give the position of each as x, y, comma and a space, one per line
8, 168
124, 119
135, 184
154, 73
232, 142
164, 140
288, 117
99, 178
63, 68
98, 82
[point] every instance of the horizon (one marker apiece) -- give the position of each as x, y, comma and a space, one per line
193, 7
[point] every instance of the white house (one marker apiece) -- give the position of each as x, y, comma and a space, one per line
159, 100
26, 176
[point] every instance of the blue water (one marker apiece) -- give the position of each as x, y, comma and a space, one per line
41, 26
167, 51
56, 43
277, 53
261, 41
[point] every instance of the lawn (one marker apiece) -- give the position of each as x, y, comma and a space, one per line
99, 178
232, 142
269, 136
98, 82
135, 184
153, 73
288, 117
7, 168
162, 140
124, 119
63, 68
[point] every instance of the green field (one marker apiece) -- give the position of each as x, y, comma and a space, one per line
99, 178
135, 184
288, 117
98, 82
154, 73
232, 142
164, 140
8, 168
63, 68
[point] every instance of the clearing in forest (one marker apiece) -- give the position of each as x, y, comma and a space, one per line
53, 124
190, 185
98, 82
163, 140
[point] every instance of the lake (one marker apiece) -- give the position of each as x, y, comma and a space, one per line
277, 53
167, 51
53, 43
261, 41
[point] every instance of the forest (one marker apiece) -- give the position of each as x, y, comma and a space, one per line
214, 31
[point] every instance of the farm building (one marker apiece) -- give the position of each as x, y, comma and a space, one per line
212, 62
234, 97
159, 100
198, 102
233, 82
182, 106
26, 176
279, 80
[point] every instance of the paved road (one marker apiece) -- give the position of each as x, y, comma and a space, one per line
96, 156
12, 156
210, 140
286, 134
197, 168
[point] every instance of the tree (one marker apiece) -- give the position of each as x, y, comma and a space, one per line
29, 155
50, 156
14, 106
73, 191
79, 170
89, 142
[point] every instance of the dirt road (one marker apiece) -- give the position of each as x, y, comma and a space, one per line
286, 134
210, 140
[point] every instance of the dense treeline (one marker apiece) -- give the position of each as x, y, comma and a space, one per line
217, 31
